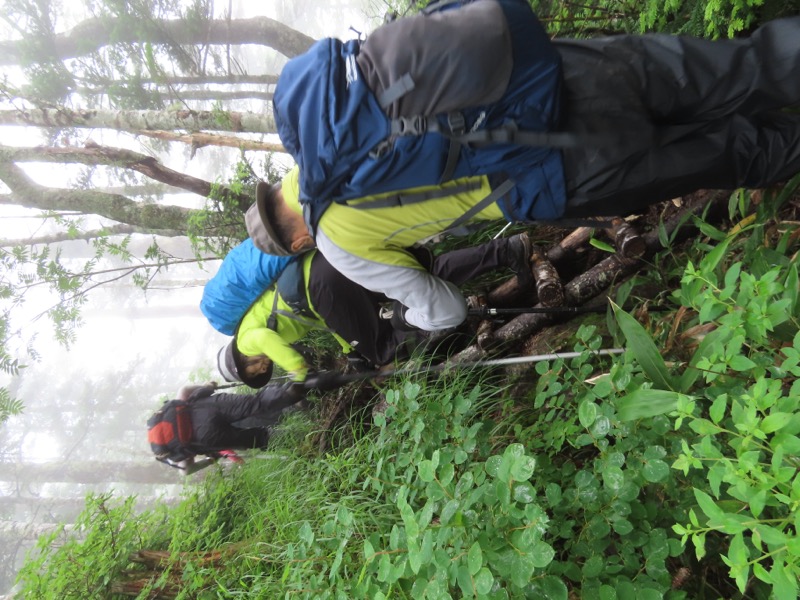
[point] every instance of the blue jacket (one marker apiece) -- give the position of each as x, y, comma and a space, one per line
245, 273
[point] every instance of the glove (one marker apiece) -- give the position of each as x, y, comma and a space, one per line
324, 381
399, 318
357, 363
295, 389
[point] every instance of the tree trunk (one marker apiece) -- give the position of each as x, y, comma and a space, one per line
93, 472
65, 236
29, 194
94, 34
199, 140
218, 96
93, 154
138, 120
202, 80
181, 94
29, 531
144, 189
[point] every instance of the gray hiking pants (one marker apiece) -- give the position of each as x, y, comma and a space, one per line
675, 114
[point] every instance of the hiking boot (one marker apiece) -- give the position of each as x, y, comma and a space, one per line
518, 255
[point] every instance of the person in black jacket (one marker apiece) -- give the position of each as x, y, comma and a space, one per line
216, 420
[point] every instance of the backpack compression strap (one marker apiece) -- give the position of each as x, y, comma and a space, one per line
404, 199
456, 132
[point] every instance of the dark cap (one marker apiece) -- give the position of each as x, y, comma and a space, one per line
259, 227
230, 363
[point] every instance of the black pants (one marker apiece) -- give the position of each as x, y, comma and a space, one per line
352, 311
674, 114
214, 418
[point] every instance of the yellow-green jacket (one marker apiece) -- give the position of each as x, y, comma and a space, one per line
254, 338
368, 246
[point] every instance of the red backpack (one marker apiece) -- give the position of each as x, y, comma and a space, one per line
169, 432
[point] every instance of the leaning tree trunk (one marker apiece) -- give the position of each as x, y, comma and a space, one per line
68, 236
94, 154
29, 194
93, 34
199, 140
141, 120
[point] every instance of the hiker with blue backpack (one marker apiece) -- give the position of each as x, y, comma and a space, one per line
309, 294
469, 112
202, 422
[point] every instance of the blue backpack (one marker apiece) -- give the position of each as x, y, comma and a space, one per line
419, 102
245, 273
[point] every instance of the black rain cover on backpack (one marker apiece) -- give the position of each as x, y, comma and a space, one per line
169, 432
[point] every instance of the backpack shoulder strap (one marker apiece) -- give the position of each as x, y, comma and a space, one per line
291, 286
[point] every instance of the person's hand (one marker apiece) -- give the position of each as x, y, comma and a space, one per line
212, 384
324, 381
295, 389
399, 318
357, 363
231, 456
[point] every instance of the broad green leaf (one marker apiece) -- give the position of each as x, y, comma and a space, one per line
474, 558
419, 587
426, 550
523, 492
655, 470
622, 526
464, 579
426, 471
522, 468
593, 567
369, 551
601, 245
412, 528
484, 581
741, 363
587, 413
644, 349
384, 568
718, 407
708, 505
715, 338
775, 421
541, 554
448, 511
737, 558
643, 403
414, 556
792, 287
771, 535
551, 588
613, 478
784, 584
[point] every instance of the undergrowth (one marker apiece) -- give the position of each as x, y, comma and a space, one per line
642, 476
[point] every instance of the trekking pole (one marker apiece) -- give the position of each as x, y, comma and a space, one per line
225, 386
554, 310
345, 378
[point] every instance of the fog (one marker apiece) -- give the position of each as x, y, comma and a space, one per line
83, 426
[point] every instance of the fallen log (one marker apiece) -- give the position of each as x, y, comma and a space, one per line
627, 240
591, 283
549, 288
570, 245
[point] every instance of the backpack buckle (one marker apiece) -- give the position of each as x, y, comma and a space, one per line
456, 123
416, 125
